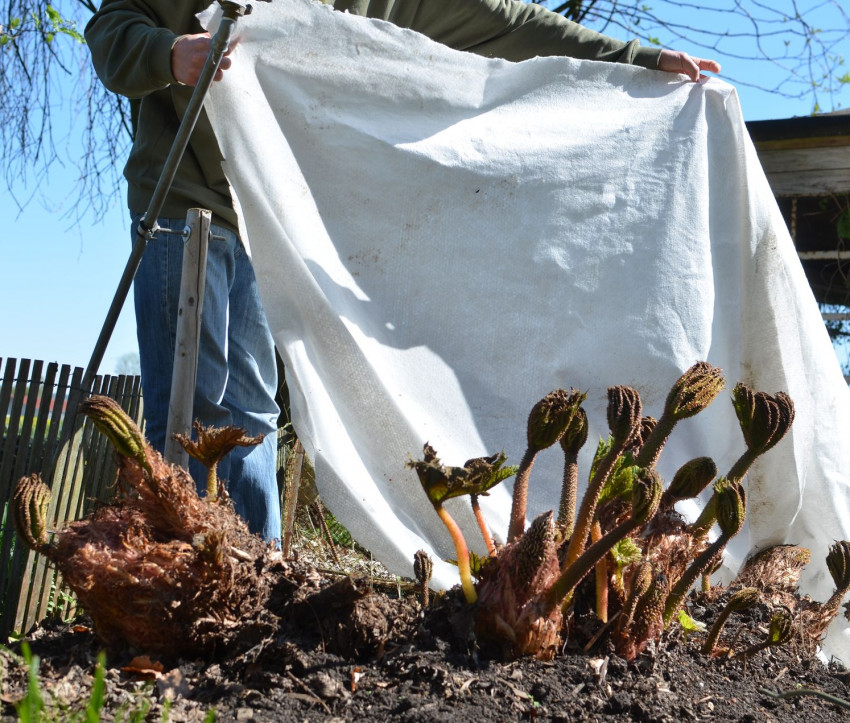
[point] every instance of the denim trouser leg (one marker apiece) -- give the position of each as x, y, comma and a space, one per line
237, 374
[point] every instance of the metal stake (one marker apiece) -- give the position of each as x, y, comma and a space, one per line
231, 11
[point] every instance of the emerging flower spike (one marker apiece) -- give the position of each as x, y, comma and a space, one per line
693, 391
547, 422
29, 507
690, 479
423, 567
740, 600
121, 431
212, 444
730, 504
764, 420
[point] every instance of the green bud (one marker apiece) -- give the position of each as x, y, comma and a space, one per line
575, 434
121, 431
29, 507
691, 479
764, 419
743, 599
624, 414
781, 628
694, 391
646, 494
549, 418
731, 506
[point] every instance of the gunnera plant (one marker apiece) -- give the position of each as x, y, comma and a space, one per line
160, 568
528, 593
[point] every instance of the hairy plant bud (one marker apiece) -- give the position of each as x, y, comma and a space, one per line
121, 431
423, 567
764, 419
743, 599
694, 391
575, 433
647, 426
535, 547
646, 494
838, 563
624, 414
691, 479
731, 506
29, 507
549, 418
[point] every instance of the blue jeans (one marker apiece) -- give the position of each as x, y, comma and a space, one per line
237, 373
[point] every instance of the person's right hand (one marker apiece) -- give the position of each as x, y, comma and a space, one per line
188, 56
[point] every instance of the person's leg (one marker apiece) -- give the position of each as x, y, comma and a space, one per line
248, 398
234, 385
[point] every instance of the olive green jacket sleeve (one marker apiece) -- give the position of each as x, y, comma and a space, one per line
507, 29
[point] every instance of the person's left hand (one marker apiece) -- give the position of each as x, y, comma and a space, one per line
675, 61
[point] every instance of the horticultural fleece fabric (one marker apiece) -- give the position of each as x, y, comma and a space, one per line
441, 239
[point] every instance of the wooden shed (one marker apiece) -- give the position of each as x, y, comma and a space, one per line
807, 162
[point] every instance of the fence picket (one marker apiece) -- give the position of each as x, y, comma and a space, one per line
36, 404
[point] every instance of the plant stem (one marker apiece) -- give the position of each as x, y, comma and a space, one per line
601, 577
569, 492
520, 498
462, 550
651, 449
588, 507
572, 575
697, 567
212, 483
482, 524
739, 469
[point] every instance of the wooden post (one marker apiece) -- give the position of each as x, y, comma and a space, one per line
188, 334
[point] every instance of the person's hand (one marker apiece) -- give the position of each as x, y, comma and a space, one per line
675, 61
188, 56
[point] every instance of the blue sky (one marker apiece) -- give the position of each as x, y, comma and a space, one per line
58, 276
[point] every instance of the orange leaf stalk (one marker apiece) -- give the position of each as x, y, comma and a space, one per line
463, 566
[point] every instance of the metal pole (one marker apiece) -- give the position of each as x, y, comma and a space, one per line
147, 225
231, 11
185, 372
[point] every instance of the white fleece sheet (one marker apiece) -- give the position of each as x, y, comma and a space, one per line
441, 239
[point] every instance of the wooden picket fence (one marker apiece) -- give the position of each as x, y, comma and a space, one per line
37, 401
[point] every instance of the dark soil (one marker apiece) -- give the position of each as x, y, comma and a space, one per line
405, 664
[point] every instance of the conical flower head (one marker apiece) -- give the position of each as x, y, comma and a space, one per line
731, 506
838, 564
692, 478
477, 476
624, 414
213, 443
694, 391
535, 547
764, 419
423, 566
29, 508
549, 418
646, 494
121, 431
575, 432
